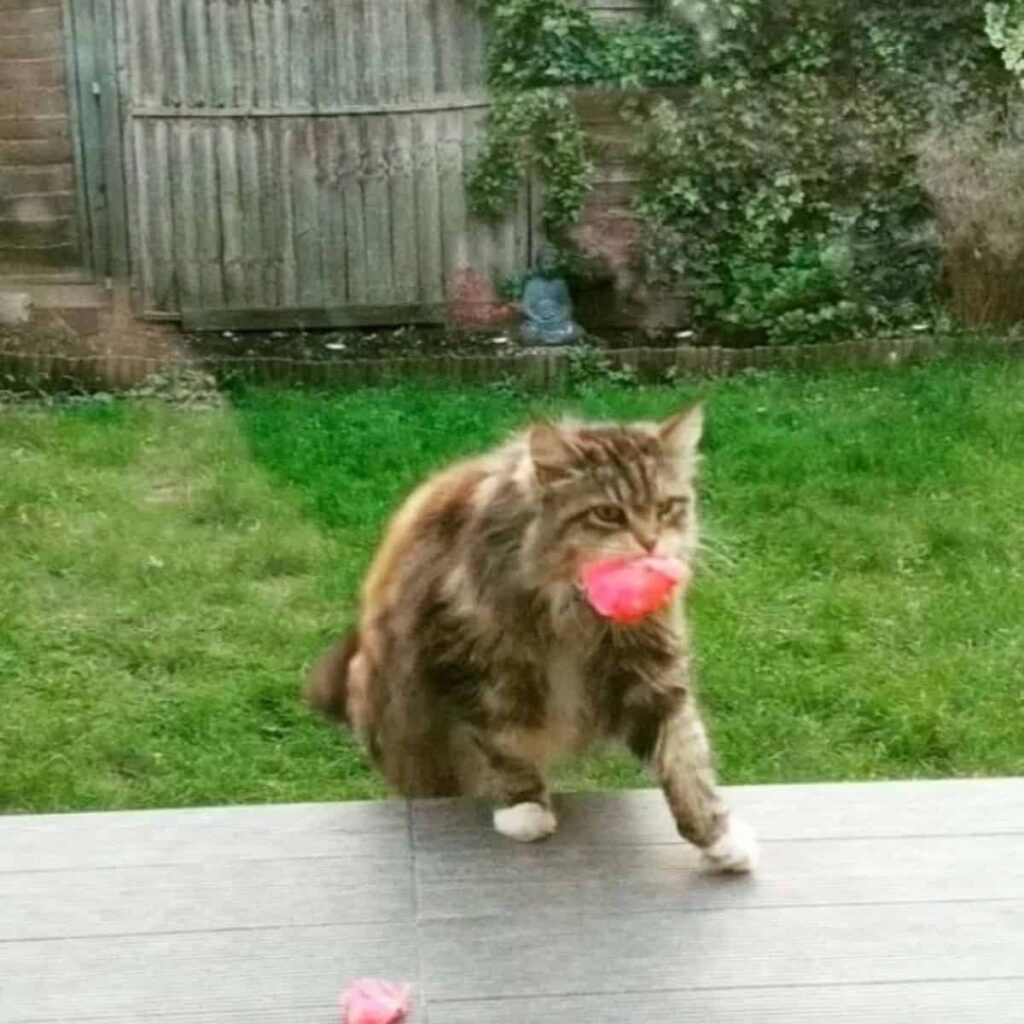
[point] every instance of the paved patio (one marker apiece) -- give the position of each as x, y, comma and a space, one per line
876, 904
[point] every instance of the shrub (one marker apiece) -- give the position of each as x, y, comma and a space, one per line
791, 213
781, 193
975, 176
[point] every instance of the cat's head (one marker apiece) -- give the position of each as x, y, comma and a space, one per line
614, 491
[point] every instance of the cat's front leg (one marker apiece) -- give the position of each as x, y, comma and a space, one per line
516, 788
675, 742
526, 822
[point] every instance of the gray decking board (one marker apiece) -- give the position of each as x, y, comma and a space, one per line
883, 903
201, 835
961, 1002
839, 810
204, 897
294, 972
642, 880
586, 952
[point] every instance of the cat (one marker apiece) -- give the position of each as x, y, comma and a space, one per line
477, 661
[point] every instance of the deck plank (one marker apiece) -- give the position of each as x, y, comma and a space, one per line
805, 812
973, 1002
588, 952
204, 897
196, 836
624, 880
198, 976
889, 903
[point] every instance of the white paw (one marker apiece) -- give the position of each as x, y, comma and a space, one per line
735, 851
525, 823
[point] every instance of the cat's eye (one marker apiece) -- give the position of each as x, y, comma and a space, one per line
671, 507
608, 515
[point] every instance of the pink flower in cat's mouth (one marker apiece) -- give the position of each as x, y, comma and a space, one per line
627, 590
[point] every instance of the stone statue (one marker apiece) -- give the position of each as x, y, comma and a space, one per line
547, 307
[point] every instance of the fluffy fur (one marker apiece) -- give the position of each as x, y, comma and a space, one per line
477, 661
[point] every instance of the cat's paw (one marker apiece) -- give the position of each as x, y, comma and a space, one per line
735, 851
526, 823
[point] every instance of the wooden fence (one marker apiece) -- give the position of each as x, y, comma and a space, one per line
302, 158
295, 162
305, 156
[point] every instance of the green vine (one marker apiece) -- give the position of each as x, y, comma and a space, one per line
538, 50
1004, 24
537, 43
538, 128
781, 190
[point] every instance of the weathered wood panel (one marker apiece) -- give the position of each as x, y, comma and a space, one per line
298, 154
92, 50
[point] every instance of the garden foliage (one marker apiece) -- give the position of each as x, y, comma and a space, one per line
782, 189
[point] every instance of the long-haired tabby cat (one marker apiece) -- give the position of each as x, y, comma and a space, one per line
477, 661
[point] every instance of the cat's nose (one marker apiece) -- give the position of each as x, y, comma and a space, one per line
648, 541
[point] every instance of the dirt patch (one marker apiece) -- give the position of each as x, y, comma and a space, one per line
122, 339
402, 342
122, 353
160, 360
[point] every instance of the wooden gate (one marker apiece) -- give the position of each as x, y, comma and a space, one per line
301, 162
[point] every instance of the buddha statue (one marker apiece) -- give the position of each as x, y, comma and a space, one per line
546, 305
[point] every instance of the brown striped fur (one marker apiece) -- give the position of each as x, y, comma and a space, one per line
477, 662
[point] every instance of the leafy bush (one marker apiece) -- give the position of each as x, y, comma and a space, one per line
786, 217
1004, 24
537, 48
782, 191
975, 175
535, 128
537, 43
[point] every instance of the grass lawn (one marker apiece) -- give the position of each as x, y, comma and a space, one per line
167, 575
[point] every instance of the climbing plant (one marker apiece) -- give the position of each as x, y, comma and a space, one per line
1004, 24
538, 49
780, 188
538, 127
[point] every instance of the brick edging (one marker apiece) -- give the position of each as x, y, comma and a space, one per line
542, 369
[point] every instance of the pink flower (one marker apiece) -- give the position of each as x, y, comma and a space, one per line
628, 590
368, 1001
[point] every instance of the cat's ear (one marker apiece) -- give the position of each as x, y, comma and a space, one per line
551, 452
680, 434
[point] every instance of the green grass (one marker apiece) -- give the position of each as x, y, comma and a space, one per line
168, 575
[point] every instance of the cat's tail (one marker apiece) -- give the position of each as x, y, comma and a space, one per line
327, 688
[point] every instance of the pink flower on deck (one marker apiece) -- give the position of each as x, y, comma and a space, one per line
628, 590
368, 1001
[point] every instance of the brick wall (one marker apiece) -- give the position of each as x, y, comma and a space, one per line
37, 188
609, 231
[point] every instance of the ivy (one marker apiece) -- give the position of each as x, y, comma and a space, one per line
538, 49
790, 212
535, 128
780, 190
537, 43
1004, 24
